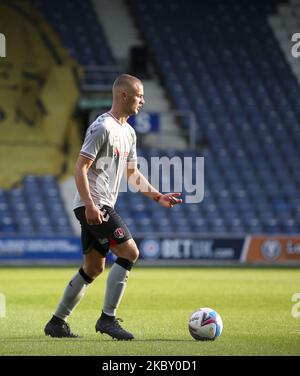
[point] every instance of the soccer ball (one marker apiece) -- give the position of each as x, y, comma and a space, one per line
205, 324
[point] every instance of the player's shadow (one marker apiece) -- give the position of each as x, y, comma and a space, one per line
98, 340
143, 340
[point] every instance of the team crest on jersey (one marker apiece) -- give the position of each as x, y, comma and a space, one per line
116, 147
116, 153
120, 155
119, 233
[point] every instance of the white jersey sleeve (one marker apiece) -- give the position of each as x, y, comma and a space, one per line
95, 138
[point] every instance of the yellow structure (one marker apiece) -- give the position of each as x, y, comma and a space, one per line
38, 94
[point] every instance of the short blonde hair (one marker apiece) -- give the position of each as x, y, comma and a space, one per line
125, 81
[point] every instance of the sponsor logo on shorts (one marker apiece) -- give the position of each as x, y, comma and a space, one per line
119, 233
103, 241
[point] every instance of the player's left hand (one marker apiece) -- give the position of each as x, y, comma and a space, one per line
170, 199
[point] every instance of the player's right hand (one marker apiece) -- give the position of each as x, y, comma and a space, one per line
94, 215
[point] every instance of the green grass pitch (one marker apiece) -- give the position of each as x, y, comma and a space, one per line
254, 303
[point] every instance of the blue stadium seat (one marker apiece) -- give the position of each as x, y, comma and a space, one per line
78, 26
36, 208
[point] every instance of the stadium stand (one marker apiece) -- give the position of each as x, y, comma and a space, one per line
39, 91
38, 96
77, 25
58, 48
215, 58
36, 208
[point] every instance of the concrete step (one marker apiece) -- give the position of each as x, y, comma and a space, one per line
118, 27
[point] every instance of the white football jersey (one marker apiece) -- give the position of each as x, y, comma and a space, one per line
110, 145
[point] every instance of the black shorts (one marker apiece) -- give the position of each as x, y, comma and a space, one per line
112, 231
